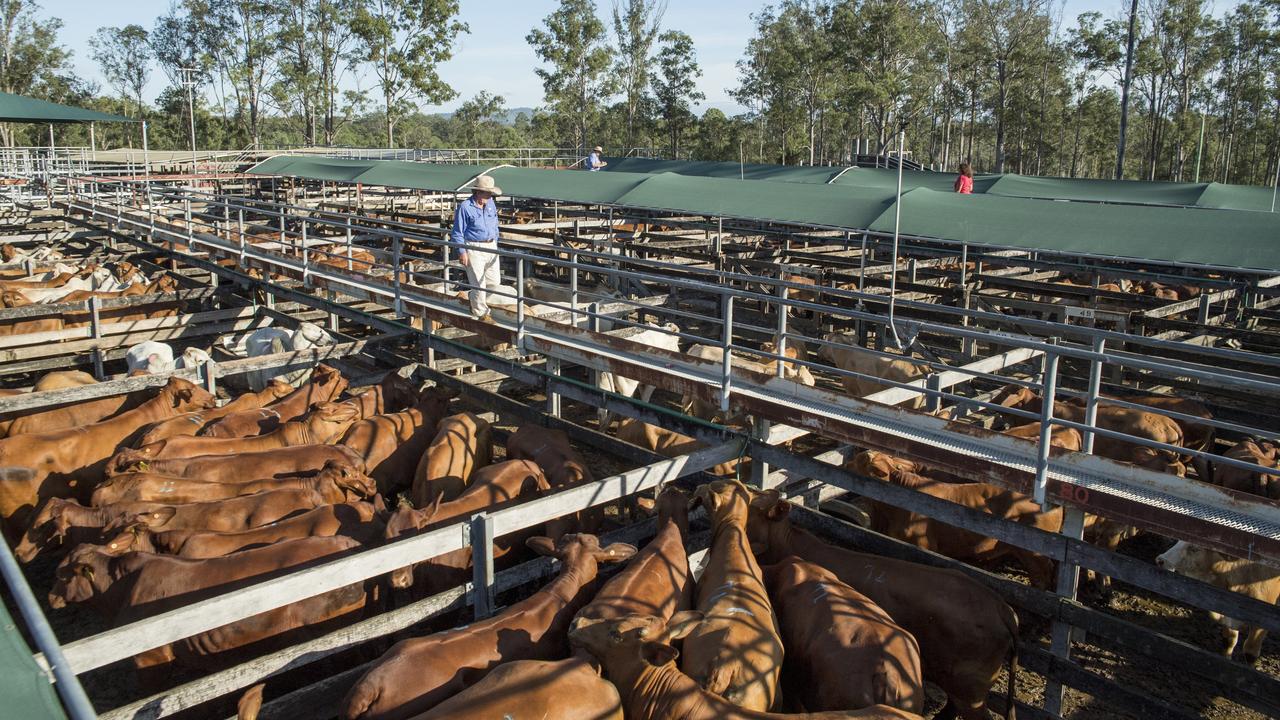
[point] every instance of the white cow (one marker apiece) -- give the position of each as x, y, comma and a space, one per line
273, 340
156, 358
656, 336
101, 279
715, 354
58, 269
1258, 581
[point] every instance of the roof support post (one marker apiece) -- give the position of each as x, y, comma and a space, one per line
480, 534
1049, 383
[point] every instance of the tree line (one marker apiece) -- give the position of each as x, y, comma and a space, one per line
1164, 91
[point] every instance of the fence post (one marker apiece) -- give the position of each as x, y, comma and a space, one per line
1050, 388
395, 272
210, 370
520, 304
480, 533
240, 230
727, 361
573, 288
349, 265
553, 397
306, 257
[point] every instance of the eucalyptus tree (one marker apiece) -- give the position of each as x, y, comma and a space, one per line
317, 49
404, 41
675, 85
575, 78
636, 27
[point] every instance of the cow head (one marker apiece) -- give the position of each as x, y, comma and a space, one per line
80, 577
1196, 562
725, 501
166, 284
828, 353
768, 525
634, 639
278, 388
673, 505
135, 537
581, 552
354, 483
397, 393
327, 381
48, 529
433, 403
329, 420
878, 465
13, 299
132, 459
185, 396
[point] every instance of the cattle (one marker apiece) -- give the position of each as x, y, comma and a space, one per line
735, 651
274, 340
164, 284
1138, 423
876, 365
391, 445
417, 674
335, 483
1060, 437
693, 405
491, 486
551, 450
135, 585
75, 414
1259, 452
92, 278
235, 467
68, 462
66, 523
965, 631
463, 444
925, 533
15, 299
326, 385
356, 520
58, 277
664, 337
671, 444
843, 651
1195, 436
191, 423
561, 294
1253, 579
325, 423
156, 358
657, 581
638, 659
796, 350
548, 690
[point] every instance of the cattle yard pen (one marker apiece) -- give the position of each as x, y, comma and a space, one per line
372, 265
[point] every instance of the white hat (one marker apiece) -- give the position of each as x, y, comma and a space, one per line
599, 149
484, 183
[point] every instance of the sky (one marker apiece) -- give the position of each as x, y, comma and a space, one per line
494, 55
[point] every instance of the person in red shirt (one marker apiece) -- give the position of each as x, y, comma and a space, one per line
964, 181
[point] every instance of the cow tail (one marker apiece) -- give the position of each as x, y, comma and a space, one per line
1011, 623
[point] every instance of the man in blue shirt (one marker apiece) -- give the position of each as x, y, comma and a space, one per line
594, 162
475, 235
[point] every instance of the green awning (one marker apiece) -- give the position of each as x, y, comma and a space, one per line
1181, 235
1125, 192
25, 689
19, 108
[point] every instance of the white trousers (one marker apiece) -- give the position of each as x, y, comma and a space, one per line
483, 272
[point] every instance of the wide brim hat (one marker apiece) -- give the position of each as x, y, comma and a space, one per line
599, 149
484, 183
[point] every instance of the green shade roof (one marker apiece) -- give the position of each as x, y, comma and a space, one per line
24, 688
1129, 192
1181, 235
18, 108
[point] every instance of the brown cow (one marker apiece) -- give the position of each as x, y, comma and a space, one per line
1259, 452
491, 486
137, 585
928, 534
323, 424
1254, 579
392, 444
1196, 436
68, 462
1138, 423
236, 467
843, 651
336, 483
672, 444
965, 631
66, 523
563, 465
15, 299
76, 414
325, 386
191, 423
418, 674
657, 581
736, 651
356, 520
57, 380
866, 362
463, 444
638, 660
548, 690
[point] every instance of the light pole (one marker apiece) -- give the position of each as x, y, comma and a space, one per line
189, 82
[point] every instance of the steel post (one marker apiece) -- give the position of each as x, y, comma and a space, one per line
1050, 389
726, 342
480, 534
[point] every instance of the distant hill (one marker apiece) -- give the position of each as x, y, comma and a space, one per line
508, 119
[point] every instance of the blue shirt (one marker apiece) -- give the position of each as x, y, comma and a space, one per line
593, 162
475, 224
